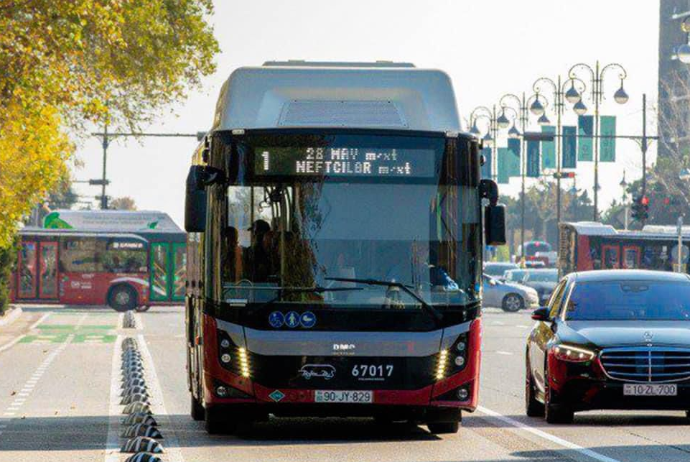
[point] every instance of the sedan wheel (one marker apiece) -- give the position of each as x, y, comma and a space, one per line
513, 303
556, 414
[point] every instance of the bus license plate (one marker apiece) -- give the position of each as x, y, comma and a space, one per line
339, 396
635, 389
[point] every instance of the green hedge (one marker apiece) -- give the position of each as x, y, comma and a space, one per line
7, 260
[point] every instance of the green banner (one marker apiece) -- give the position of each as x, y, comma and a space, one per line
585, 146
569, 159
486, 168
607, 146
503, 167
533, 159
548, 149
514, 147
508, 164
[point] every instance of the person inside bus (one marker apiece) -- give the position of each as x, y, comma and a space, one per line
259, 258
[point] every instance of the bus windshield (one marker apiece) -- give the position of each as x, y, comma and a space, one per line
312, 209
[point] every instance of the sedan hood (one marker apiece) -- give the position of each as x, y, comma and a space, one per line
625, 333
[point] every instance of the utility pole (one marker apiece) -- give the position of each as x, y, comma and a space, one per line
106, 141
644, 144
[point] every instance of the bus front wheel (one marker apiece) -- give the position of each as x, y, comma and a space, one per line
122, 298
439, 428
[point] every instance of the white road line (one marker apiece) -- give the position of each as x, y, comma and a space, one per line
36, 376
112, 445
506, 353
547, 436
172, 446
12, 343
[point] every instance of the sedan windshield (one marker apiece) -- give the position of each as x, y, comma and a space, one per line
630, 300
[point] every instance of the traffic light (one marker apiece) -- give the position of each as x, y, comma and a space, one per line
640, 208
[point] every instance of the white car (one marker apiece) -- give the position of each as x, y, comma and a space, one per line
509, 296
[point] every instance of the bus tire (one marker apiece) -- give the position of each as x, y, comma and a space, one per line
512, 303
122, 297
197, 411
439, 428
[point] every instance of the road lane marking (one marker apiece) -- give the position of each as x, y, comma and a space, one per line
112, 445
12, 343
172, 447
547, 436
505, 353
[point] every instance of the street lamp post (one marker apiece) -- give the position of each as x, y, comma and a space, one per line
522, 113
560, 95
491, 137
597, 93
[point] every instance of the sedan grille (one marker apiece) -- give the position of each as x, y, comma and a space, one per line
646, 364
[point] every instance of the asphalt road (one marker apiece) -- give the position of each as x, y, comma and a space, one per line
59, 402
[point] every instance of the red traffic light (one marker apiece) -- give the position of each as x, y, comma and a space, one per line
644, 200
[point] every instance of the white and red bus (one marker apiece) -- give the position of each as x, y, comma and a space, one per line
336, 231
587, 246
101, 258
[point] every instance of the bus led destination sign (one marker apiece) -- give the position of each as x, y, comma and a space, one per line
361, 162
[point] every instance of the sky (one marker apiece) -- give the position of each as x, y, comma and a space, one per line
488, 47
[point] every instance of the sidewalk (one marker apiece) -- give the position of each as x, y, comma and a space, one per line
10, 332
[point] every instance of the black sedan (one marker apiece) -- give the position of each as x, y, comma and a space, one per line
616, 339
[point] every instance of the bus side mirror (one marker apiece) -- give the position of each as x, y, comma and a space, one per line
195, 200
495, 224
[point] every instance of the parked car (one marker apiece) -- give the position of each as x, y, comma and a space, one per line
611, 339
541, 280
508, 296
497, 269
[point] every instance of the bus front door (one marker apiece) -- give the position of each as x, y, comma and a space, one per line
168, 265
38, 271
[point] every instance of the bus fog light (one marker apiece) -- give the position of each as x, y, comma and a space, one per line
221, 391
463, 394
225, 358
244, 362
225, 343
459, 361
460, 346
441, 366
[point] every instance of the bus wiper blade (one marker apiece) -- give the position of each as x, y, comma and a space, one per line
306, 290
437, 315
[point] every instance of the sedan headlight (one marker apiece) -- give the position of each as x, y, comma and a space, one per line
573, 354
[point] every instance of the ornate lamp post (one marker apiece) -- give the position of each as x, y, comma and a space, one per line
522, 110
597, 95
560, 96
491, 137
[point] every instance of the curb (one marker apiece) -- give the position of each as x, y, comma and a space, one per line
10, 316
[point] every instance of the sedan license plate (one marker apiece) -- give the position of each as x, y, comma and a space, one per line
635, 389
339, 396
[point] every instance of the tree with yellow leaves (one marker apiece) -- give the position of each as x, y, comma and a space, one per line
67, 63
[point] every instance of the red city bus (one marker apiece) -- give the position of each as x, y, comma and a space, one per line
591, 246
335, 269
80, 268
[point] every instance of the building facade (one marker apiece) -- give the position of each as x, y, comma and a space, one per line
674, 80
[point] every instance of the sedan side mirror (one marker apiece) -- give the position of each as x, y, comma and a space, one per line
541, 314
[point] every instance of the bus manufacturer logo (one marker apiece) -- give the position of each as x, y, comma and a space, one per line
648, 336
343, 347
324, 371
